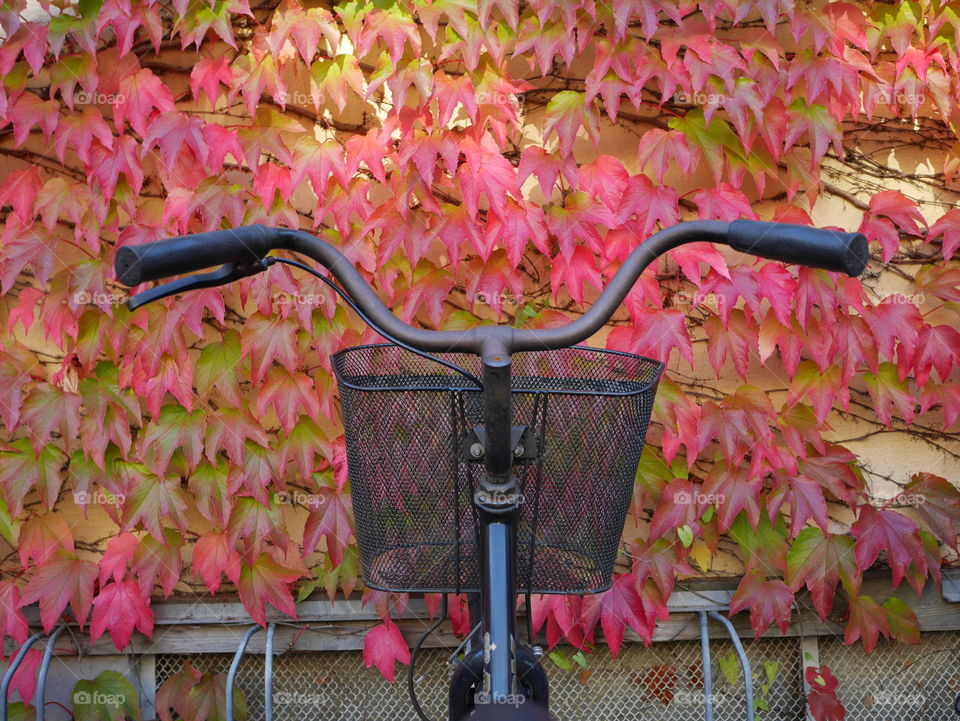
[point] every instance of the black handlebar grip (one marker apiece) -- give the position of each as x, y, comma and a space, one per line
800, 244
136, 264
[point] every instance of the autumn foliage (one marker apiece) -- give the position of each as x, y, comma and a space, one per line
478, 161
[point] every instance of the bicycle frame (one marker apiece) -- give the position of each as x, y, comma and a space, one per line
243, 251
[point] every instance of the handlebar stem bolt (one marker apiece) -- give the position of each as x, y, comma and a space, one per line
476, 450
518, 451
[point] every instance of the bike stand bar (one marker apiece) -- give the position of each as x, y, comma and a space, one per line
12, 669
234, 665
744, 661
267, 675
707, 668
40, 698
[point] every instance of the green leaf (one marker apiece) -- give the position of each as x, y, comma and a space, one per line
560, 660
730, 666
108, 697
89, 8
9, 527
580, 659
685, 534
770, 670
19, 711
220, 368
305, 589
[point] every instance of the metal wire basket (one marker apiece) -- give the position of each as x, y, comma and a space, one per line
406, 419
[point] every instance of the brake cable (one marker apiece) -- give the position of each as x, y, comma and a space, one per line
271, 259
411, 686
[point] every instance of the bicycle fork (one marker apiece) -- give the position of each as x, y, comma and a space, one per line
493, 671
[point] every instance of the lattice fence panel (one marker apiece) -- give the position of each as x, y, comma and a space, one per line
663, 682
897, 682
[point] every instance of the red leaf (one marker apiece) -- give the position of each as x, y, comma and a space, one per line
947, 227
155, 560
769, 601
20, 189
937, 347
689, 257
605, 179
887, 531
485, 171
806, 501
546, 167
734, 490
818, 560
616, 608
938, 503
24, 680
42, 537
289, 395
61, 580
738, 341
139, 95
822, 699
383, 646
117, 557
562, 615
723, 203
12, 622
266, 581
573, 271
207, 75
330, 519
119, 608
680, 505
657, 334
658, 147
887, 390
267, 340
866, 622
566, 113
900, 209
212, 558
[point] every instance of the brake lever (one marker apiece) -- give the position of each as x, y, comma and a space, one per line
226, 273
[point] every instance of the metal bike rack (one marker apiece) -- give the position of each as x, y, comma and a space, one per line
40, 696
235, 665
708, 671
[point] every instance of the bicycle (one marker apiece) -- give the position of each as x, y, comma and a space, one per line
460, 445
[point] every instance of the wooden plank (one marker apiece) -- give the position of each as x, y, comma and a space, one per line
215, 626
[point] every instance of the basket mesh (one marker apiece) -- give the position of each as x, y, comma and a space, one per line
405, 417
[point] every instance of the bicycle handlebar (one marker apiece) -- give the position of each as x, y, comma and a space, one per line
245, 247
